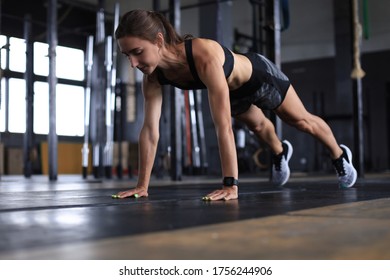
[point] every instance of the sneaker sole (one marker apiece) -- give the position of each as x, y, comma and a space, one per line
290, 150
349, 155
289, 154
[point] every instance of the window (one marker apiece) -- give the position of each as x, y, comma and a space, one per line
17, 55
3, 42
70, 98
41, 108
2, 106
41, 59
17, 106
3, 63
69, 62
69, 109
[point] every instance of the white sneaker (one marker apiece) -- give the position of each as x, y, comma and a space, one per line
346, 173
280, 168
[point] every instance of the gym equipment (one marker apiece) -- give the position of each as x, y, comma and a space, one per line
28, 137
87, 104
357, 75
52, 81
110, 63
176, 107
108, 147
201, 133
285, 14
102, 102
366, 26
196, 162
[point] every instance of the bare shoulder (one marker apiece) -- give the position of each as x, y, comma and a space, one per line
206, 50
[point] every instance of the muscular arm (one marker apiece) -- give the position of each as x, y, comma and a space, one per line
211, 73
148, 138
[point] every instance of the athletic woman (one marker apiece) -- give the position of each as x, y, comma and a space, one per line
238, 85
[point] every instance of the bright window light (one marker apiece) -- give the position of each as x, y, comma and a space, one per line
69, 109
41, 59
69, 62
17, 106
69, 98
17, 61
3, 42
41, 108
2, 106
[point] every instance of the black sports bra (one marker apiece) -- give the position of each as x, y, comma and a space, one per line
197, 83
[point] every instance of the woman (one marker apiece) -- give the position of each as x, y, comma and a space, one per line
239, 85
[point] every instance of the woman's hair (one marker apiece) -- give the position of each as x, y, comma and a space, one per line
146, 25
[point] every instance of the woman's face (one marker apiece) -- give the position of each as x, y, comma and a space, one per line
142, 54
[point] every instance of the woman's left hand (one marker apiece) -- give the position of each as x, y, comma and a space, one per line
226, 193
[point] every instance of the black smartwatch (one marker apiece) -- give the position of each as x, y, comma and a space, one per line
230, 181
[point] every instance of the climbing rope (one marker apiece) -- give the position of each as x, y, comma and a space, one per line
357, 71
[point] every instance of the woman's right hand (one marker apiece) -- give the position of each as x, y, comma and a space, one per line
137, 192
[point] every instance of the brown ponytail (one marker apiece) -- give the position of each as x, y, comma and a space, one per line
146, 25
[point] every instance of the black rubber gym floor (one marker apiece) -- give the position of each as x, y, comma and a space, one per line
37, 213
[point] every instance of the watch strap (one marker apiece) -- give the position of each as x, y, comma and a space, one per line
230, 181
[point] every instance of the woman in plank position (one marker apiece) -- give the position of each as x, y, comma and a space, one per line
239, 86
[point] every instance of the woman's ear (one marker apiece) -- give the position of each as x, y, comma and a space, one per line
160, 40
